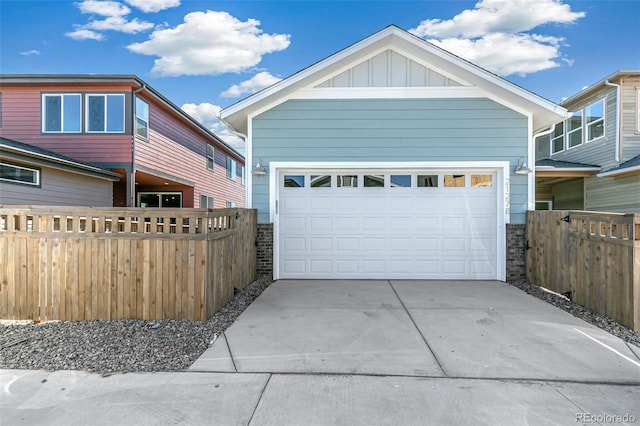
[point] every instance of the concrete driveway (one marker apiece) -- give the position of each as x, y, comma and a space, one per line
455, 329
365, 353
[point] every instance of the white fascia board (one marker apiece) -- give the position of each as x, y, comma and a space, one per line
619, 172
567, 169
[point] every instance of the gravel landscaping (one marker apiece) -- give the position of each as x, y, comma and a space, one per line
108, 347
581, 312
120, 346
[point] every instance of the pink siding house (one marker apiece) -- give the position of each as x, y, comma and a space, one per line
164, 157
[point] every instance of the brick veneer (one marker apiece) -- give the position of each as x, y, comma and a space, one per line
516, 253
264, 252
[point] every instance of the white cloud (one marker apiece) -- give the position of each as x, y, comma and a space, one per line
209, 43
253, 85
207, 114
84, 34
114, 19
30, 52
152, 6
494, 34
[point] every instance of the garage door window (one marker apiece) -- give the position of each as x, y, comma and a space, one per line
321, 181
400, 181
481, 181
454, 181
374, 181
427, 181
348, 181
291, 181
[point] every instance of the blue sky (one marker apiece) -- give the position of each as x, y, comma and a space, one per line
204, 55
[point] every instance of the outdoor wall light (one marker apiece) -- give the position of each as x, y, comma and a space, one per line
521, 168
258, 170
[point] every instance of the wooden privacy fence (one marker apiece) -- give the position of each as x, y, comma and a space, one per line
62, 263
595, 256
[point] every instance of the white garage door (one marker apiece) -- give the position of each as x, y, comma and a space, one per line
388, 224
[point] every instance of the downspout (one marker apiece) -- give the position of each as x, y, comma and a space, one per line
618, 100
248, 159
131, 202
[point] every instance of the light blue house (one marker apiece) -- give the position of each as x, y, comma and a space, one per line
391, 159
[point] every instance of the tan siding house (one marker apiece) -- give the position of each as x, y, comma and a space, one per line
591, 161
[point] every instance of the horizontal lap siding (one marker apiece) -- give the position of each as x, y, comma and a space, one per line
630, 126
391, 130
60, 188
620, 195
177, 150
600, 152
21, 121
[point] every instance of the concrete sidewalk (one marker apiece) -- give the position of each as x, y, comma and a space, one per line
365, 353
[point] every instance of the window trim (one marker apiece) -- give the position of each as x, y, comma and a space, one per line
603, 119
207, 197
579, 130
136, 116
159, 193
243, 175
231, 168
106, 114
231, 204
36, 170
43, 110
637, 109
552, 138
210, 158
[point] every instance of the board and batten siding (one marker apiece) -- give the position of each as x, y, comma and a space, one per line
59, 188
615, 195
22, 121
361, 130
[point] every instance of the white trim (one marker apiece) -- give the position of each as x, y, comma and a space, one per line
502, 169
43, 113
248, 195
389, 92
566, 169
531, 159
106, 113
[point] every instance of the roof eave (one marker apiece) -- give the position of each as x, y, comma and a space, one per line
620, 172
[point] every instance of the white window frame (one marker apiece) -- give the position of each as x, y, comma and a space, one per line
160, 193
243, 177
211, 157
145, 119
579, 130
209, 205
560, 137
44, 112
231, 205
21, 182
106, 113
638, 109
603, 120
231, 169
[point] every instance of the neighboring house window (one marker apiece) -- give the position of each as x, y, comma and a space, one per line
105, 113
210, 156
231, 168
61, 113
638, 108
160, 199
557, 138
243, 176
574, 130
231, 204
142, 118
206, 201
594, 118
19, 174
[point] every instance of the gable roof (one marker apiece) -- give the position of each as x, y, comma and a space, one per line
544, 112
18, 151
